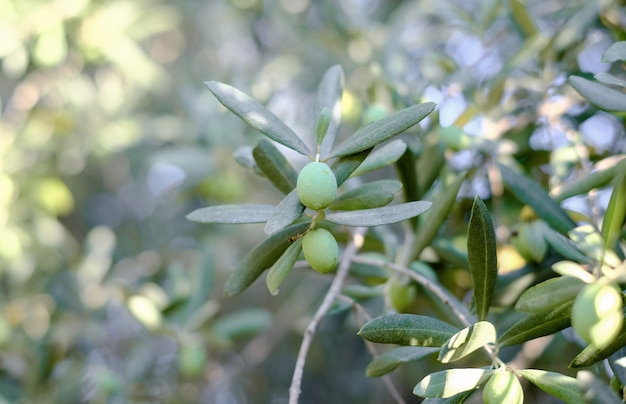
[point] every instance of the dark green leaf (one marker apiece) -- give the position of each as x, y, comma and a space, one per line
560, 386
329, 95
372, 195
482, 255
288, 210
537, 325
601, 96
256, 115
391, 359
381, 157
455, 399
531, 193
260, 258
243, 323
383, 129
615, 52
232, 214
379, 216
591, 354
448, 383
345, 166
323, 122
429, 165
243, 156
275, 166
616, 211
467, 341
432, 221
407, 329
594, 390
281, 268
549, 294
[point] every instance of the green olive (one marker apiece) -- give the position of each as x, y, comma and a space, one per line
597, 314
192, 360
316, 185
503, 387
401, 294
320, 250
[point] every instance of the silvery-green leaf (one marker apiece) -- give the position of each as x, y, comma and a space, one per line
288, 210
232, 214
371, 195
381, 157
281, 268
329, 95
615, 52
275, 166
379, 216
600, 95
407, 329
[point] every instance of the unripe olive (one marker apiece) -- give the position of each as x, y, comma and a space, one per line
597, 314
401, 295
320, 250
316, 185
503, 387
192, 360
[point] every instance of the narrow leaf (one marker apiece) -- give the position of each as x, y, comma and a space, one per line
594, 390
531, 193
549, 294
371, 195
281, 268
483, 261
609, 79
260, 258
329, 95
522, 18
585, 183
383, 129
345, 166
243, 323
615, 52
256, 115
467, 341
616, 210
537, 325
592, 354
564, 246
381, 157
379, 216
232, 214
573, 269
459, 398
288, 210
323, 122
391, 359
407, 329
275, 166
560, 386
590, 242
448, 383
601, 96
429, 165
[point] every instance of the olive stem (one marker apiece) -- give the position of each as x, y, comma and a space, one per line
334, 290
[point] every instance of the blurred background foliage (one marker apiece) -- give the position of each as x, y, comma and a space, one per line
108, 138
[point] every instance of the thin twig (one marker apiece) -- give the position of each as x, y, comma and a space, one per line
331, 295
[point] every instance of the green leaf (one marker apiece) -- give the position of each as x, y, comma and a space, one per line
323, 122
256, 115
345, 166
429, 164
455, 399
594, 390
560, 386
260, 258
372, 195
329, 95
522, 18
590, 242
592, 354
391, 359
432, 221
573, 269
529, 192
407, 329
549, 294
467, 341
383, 129
288, 210
599, 95
483, 260
275, 166
232, 214
616, 210
243, 323
609, 79
564, 246
381, 157
585, 183
379, 216
615, 52
281, 268
537, 325
448, 383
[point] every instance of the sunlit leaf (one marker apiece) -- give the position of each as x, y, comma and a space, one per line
256, 115
616, 210
275, 166
383, 129
329, 95
560, 386
288, 210
467, 341
232, 214
281, 268
531, 193
549, 294
448, 383
591, 354
539, 324
371, 195
615, 52
600, 95
407, 329
391, 359
482, 255
590, 241
381, 157
260, 258
379, 216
